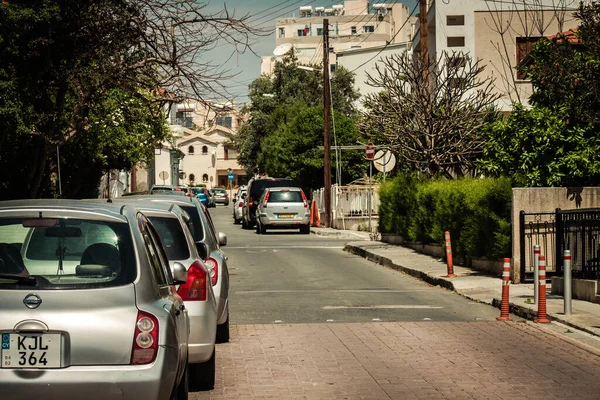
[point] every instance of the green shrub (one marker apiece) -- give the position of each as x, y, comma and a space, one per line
476, 212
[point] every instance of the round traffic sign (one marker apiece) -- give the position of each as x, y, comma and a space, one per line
370, 150
385, 160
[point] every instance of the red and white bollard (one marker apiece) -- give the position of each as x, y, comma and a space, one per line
504, 305
449, 256
542, 311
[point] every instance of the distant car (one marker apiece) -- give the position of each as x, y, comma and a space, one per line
169, 189
203, 231
255, 191
89, 307
283, 207
221, 196
201, 194
171, 223
238, 204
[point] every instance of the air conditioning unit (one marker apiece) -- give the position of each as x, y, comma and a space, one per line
320, 11
329, 11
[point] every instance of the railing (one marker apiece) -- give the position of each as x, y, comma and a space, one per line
349, 201
537, 228
579, 231
185, 121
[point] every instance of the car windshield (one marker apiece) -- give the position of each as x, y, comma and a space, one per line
259, 186
172, 237
65, 253
288, 196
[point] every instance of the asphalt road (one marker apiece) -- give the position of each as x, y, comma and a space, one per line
287, 277
310, 321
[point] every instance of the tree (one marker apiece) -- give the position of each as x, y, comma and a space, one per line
274, 97
430, 115
556, 142
293, 149
60, 59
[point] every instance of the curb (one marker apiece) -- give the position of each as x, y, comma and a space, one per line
516, 309
338, 234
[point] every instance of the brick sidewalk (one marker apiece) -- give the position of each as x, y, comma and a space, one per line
414, 360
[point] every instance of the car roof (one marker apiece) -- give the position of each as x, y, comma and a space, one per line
147, 206
102, 210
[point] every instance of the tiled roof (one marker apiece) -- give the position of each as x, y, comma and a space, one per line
570, 36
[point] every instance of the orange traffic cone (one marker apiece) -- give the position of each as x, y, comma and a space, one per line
315, 218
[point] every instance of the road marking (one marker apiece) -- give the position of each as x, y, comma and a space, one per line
277, 321
426, 319
249, 249
399, 306
376, 319
329, 320
330, 291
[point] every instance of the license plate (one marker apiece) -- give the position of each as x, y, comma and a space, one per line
286, 215
31, 351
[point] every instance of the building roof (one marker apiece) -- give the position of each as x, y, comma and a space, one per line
570, 36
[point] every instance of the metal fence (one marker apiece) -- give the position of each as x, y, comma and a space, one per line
579, 231
349, 201
555, 232
537, 228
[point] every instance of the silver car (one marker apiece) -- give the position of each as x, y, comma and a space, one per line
283, 207
203, 231
89, 307
171, 223
238, 205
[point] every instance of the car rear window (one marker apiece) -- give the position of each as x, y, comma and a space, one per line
260, 185
194, 223
290, 196
66, 253
172, 237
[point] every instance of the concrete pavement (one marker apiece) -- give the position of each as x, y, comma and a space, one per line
473, 284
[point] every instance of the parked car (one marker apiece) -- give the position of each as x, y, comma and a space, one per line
255, 190
283, 207
203, 231
221, 196
168, 189
171, 223
89, 306
201, 193
238, 204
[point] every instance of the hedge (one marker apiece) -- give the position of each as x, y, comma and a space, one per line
475, 211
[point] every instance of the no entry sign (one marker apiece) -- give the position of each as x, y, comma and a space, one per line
370, 150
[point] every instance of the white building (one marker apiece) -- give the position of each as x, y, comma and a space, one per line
355, 24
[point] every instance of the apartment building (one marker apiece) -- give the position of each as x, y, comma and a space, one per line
498, 32
201, 151
353, 24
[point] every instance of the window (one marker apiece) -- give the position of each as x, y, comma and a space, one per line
524, 47
332, 67
192, 177
369, 29
319, 31
225, 153
205, 178
456, 41
183, 118
281, 32
152, 243
191, 150
204, 150
304, 32
224, 121
353, 30
455, 20
172, 237
282, 196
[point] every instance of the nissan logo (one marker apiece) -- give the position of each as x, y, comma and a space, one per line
32, 301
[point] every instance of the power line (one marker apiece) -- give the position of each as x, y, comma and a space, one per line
393, 37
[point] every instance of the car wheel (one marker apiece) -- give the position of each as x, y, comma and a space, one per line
263, 229
202, 375
223, 331
244, 223
181, 391
258, 230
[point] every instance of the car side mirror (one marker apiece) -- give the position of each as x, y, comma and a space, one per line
202, 250
222, 239
179, 274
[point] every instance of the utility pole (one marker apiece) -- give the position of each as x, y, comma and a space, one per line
423, 32
327, 127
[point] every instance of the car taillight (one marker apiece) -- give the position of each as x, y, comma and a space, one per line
241, 204
304, 199
145, 339
213, 267
266, 198
195, 287
250, 202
